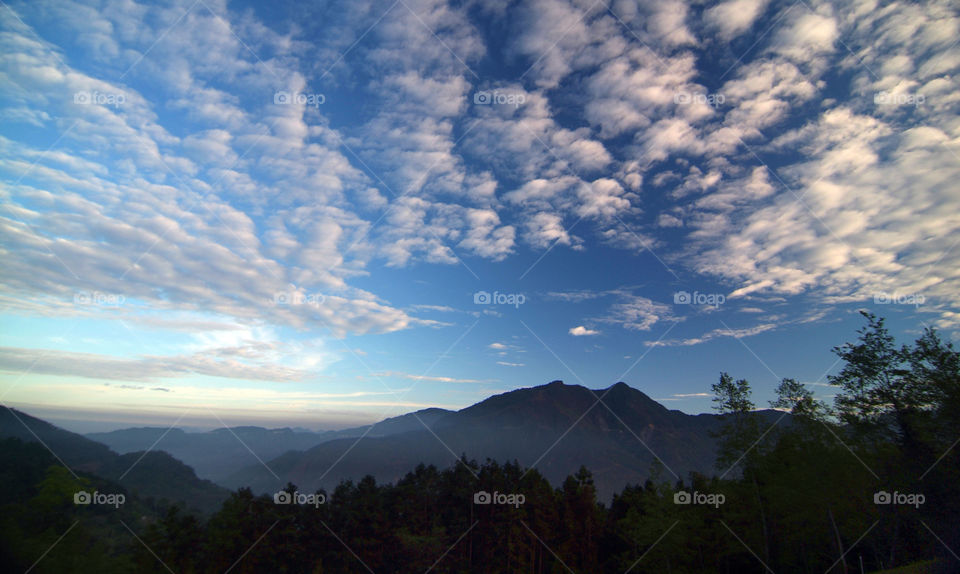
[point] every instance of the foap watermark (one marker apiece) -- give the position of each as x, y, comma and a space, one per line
302, 498
498, 298
285, 98
714, 499
514, 499
98, 298
698, 298
914, 299
898, 99
498, 98
901, 498
110, 499
95, 98
297, 298
686, 99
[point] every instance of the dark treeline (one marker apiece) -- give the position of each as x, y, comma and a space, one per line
867, 483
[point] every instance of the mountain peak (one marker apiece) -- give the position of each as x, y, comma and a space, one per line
555, 426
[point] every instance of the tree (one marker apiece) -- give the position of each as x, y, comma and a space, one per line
580, 522
740, 431
935, 376
794, 397
177, 540
902, 400
740, 438
876, 385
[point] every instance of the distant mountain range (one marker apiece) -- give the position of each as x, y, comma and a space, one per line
555, 428
155, 474
220, 453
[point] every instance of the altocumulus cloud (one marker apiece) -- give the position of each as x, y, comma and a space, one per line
581, 331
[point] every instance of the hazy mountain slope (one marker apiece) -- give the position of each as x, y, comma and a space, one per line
216, 453
414, 421
220, 453
526, 425
157, 474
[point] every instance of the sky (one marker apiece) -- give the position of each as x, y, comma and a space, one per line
320, 214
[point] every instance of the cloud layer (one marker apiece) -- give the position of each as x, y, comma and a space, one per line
258, 170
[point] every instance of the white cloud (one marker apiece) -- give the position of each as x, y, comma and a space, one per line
578, 296
734, 17
439, 308
224, 363
858, 222
431, 379
581, 331
555, 36
546, 229
485, 238
806, 37
667, 220
630, 92
164, 228
637, 313
714, 334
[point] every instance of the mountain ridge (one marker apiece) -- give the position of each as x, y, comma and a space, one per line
618, 432
218, 453
152, 474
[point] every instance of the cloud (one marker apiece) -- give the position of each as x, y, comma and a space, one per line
684, 396
437, 308
637, 313
629, 311
485, 238
427, 378
546, 229
141, 369
714, 334
561, 173
836, 206
734, 17
581, 331
667, 220
764, 92
556, 37
579, 296
806, 37
856, 222
208, 207
196, 223
504, 349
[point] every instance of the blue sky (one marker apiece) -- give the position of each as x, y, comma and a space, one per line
322, 214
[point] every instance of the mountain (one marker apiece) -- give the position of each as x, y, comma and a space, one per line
216, 453
397, 425
220, 453
153, 474
554, 427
